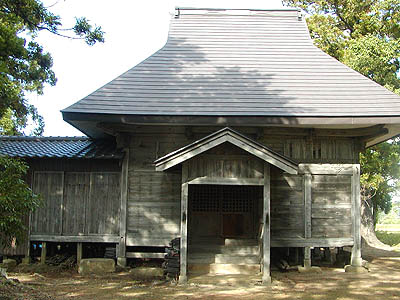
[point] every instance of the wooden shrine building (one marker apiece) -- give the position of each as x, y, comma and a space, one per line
238, 136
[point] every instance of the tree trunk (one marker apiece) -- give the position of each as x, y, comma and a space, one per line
368, 225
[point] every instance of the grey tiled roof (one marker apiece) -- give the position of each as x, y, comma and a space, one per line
57, 147
240, 63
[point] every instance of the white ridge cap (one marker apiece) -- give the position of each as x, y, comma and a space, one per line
228, 11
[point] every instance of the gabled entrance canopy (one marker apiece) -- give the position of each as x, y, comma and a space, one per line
222, 136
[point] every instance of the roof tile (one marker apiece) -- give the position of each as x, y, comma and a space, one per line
57, 147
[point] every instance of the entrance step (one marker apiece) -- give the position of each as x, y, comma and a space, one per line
209, 258
247, 269
224, 242
220, 249
224, 256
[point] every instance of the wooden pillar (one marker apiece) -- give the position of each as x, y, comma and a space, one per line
43, 253
266, 278
307, 257
356, 259
121, 255
79, 249
184, 217
307, 218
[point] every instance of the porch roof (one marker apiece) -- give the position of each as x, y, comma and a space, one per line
217, 138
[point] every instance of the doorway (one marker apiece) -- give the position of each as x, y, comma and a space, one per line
224, 211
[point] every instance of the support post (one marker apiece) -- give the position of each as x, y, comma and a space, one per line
121, 254
266, 278
79, 249
307, 257
184, 217
307, 218
43, 253
356, 260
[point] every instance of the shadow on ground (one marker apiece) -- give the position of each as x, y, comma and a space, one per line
382, 282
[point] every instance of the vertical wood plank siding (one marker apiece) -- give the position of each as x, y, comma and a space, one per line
287, 205
77, 203
154, 197
47, 219
331, 206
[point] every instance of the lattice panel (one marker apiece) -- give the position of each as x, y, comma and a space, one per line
239, 199
204, 198
226, 199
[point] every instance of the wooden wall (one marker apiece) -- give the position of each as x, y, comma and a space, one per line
76, 203
154, 197
287, 205
331, 206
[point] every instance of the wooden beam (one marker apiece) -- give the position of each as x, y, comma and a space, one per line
184, 222
307, 257
228, 181
266, 278
79, 249
121, 255
43, 253
375, 135
75, 239
356, 259
312, 242
326, 169
144, 255
260, 131
307, 217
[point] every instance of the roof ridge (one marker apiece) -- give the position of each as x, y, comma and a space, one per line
233, 9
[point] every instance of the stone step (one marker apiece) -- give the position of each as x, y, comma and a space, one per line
221, 249
220, 269
205, 258
226, 242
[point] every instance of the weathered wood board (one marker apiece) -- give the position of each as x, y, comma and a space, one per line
154, 197
331, 206
76, 203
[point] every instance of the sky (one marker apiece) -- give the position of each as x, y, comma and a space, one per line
133, 31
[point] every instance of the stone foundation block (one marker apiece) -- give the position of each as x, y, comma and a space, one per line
309, 269
353, 269
144, 273
8, 264
97, 266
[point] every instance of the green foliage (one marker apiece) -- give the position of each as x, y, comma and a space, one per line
380, 173
362, 34
392, 217
389, 238
24, 65
16, 200
365, 35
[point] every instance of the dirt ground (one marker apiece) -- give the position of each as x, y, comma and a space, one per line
382, 282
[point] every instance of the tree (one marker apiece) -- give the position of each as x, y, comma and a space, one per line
24, 65
364, 35
16, 200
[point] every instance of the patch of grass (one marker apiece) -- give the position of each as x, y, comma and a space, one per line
389, 238
387, 227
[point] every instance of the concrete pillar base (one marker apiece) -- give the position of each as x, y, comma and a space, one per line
121, 261
356, 261
266, 280
307, 263
354, 269
183, 279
